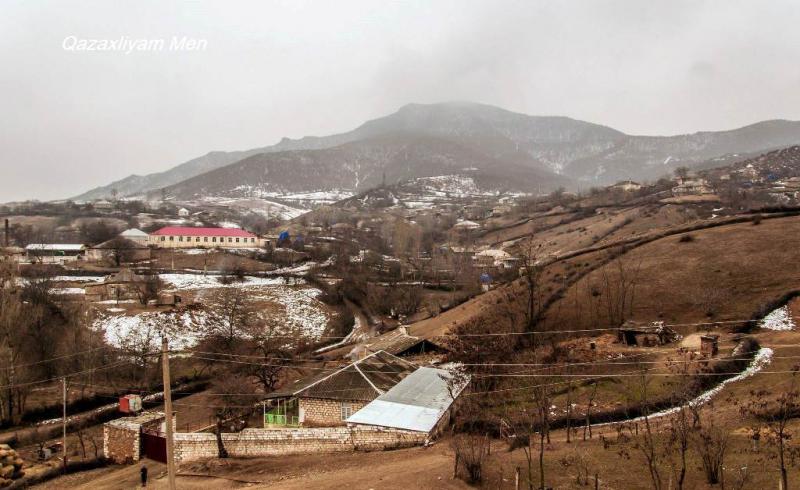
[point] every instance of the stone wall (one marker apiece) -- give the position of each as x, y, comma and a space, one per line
326, 412
121, 444
271, 442
122, 438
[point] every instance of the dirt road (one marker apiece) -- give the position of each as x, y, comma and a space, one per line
420, 468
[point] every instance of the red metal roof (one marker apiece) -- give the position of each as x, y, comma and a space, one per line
191, 231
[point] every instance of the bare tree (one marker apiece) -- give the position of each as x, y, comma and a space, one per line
776, 410
532, 270
236, 407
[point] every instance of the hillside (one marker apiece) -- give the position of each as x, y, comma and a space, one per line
360, 165
578, 150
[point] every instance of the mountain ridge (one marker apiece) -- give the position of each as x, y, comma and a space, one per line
581, 151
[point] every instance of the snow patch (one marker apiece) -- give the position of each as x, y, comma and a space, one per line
779, 319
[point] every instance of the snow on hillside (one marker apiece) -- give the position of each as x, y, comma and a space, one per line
779, 319
291, 310
196, 281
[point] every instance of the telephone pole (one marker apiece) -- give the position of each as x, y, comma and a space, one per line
168, 412
64, 422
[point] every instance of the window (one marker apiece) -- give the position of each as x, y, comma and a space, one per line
347, 410
172, 238
237, 240
252, 240
230, 240
197, 239
214, 239
205, 238
163, 238
180, 238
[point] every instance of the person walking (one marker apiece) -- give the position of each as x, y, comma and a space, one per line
143, 473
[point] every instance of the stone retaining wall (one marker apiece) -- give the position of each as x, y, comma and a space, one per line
271, 442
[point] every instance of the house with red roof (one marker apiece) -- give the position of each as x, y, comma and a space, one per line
195, 237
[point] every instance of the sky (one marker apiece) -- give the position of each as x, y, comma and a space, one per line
73, 119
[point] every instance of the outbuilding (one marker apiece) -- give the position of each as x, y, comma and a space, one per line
421, 402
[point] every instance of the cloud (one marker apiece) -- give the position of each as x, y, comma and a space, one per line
73, 120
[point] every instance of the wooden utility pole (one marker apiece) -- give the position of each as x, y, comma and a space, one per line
64, 422
168, 412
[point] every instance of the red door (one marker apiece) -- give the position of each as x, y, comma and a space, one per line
154, 446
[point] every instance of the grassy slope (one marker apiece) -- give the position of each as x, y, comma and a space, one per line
737, 267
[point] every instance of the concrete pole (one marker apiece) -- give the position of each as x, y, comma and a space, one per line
168, 412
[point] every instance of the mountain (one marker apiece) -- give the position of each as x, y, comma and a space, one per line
359, 165
577, 150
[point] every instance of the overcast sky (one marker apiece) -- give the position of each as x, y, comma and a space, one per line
72, 120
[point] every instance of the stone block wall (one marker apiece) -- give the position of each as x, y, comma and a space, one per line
122, 438
121, 444
273, 442
326, 412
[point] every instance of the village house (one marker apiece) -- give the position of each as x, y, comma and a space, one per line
102, 205
421, 402
466, 225
332, 396
121, 286
626, 186
692, 186
119, 249
135, 235
190, 237
493, 257
183, 213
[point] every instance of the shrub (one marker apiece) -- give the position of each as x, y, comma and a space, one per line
756, 220
686, 238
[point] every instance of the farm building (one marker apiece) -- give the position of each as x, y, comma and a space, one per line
55, 253
492, 257
189, 237
330, 397
124, 285
692, 186
400, 343
626, 186
466, 225
120, 250
709, 344
135, 235
421, 402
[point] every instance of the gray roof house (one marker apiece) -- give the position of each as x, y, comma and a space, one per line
421, 402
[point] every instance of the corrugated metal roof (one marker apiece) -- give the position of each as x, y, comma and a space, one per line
363, 380
133, 232
55, 246
415, 403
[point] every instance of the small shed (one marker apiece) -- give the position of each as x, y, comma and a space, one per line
654, 334
709, 345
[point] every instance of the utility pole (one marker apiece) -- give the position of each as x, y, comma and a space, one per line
168, 412
64, 422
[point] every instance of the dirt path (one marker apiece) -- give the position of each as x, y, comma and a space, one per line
419, 468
